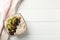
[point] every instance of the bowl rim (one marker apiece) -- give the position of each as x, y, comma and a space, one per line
13, 15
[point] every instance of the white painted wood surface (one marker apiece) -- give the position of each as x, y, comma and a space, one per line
42, 18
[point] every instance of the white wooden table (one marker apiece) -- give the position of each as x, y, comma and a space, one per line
42, 18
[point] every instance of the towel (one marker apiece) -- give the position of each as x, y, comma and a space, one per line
8, 8
4, 8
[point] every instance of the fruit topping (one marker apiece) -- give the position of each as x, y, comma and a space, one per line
16, 21
14, 30
15, 27
9, 27
9, 30
12, 23
11, 33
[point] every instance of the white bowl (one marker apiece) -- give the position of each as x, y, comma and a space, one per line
22, 25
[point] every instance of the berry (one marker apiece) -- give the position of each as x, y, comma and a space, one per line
9, 30
16, 21
11, 33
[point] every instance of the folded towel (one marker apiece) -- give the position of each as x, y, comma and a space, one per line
4, 8
10, 9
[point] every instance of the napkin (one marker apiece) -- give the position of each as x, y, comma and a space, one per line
4, 8
12, 6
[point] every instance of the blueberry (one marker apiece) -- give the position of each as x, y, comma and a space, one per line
9, 30
11, 33
15, 27
16, 21
14, 30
